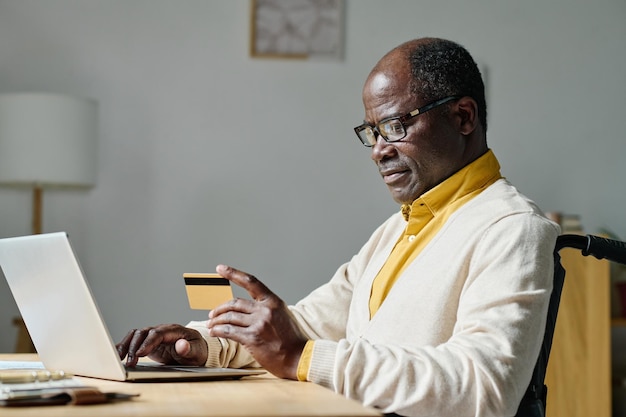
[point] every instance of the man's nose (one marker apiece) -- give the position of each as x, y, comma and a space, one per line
381, 149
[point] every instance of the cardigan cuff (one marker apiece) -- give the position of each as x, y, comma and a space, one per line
213, 343
322, 365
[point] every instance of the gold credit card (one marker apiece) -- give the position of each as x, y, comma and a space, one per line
207, 291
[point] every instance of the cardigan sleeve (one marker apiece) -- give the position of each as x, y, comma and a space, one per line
224, 352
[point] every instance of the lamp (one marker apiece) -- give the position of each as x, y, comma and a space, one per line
47, 140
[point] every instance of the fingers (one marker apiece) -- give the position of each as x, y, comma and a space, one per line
129, 345
235, 316
122, 347
257, 290
143, 342
169, 343
235, 305
232, 324
138, 343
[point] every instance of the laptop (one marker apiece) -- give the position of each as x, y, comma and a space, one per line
64, 321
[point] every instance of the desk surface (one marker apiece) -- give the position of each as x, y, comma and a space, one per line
262, 395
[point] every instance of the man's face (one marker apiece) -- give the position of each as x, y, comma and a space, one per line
432, 149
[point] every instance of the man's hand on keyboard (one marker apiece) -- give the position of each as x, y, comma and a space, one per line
171, 344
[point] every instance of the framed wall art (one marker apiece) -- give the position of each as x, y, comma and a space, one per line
299, 29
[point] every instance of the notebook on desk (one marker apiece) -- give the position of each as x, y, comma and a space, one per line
63, 318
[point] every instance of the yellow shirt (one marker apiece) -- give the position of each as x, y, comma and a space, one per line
425, 217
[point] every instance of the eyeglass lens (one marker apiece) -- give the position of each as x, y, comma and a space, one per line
391, 130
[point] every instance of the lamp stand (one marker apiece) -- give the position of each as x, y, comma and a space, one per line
37, 209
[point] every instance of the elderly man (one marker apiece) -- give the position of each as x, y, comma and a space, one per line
442, 311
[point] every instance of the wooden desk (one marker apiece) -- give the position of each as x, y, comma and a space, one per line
259, 396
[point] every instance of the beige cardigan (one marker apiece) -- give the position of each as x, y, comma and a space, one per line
459, 332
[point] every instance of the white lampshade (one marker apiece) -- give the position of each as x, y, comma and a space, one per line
47, 140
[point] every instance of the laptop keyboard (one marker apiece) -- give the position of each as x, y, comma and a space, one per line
152, 368
166, 368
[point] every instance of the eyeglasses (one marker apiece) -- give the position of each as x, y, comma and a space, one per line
392, 129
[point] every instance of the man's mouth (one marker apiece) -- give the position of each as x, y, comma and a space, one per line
392, 175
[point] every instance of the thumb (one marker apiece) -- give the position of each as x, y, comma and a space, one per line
182, 347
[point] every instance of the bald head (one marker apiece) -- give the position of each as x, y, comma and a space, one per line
433, 68
399, 57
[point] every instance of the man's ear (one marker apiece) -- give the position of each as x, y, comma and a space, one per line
466, 111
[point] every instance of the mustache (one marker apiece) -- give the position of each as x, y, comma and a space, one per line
390, 167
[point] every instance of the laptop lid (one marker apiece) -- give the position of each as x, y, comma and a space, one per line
63, 318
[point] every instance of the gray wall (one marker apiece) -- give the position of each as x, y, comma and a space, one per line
207, 156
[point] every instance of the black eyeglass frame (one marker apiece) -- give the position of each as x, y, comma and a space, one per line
401, 119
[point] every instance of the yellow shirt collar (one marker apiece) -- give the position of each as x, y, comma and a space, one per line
471, 177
